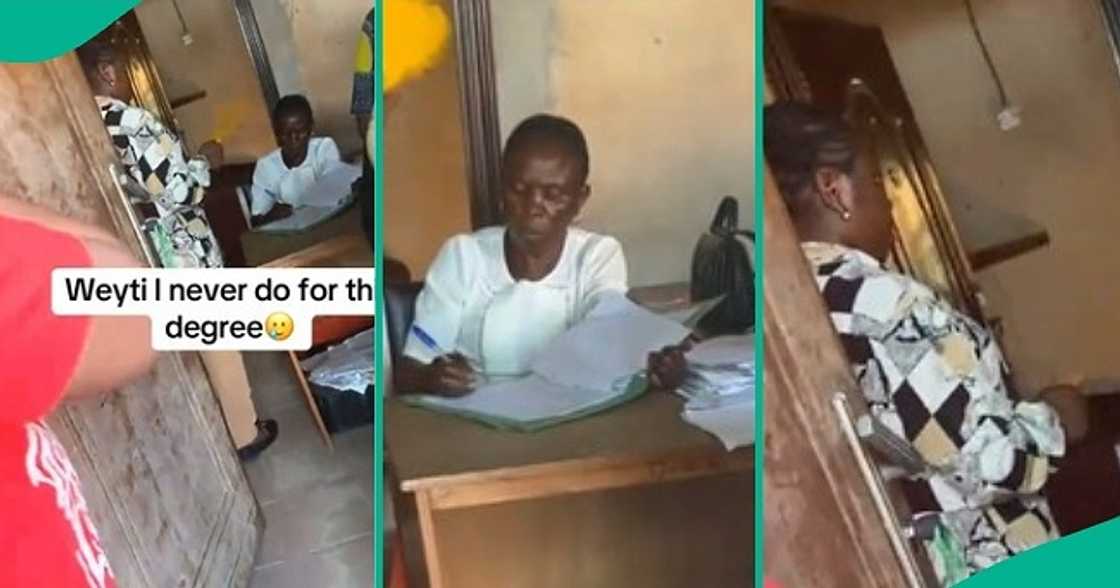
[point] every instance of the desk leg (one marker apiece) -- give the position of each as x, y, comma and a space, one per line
428, 536
314, 408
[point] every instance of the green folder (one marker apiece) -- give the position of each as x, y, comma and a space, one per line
634, 389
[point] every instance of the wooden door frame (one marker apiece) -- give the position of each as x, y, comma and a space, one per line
788, 81
83, 426
822, 528
258, 53
478, 101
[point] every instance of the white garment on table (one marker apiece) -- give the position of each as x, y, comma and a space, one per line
471, 304
275, 183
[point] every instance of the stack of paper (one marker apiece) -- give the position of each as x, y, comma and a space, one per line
530, 403
720, 388
595, 365
303, 218
611, 345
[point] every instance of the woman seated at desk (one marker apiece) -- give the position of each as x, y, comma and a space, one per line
494, 298
285, 179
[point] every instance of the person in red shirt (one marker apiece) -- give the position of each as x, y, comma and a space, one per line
46, 533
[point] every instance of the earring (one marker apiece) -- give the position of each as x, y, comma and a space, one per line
846, 215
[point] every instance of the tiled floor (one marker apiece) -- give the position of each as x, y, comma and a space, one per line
317, 505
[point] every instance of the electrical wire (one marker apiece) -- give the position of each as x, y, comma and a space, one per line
987, 56
182, 20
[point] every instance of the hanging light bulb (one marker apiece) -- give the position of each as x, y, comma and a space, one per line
1010, 115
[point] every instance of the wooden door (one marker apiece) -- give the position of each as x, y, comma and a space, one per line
823, 526
848, 69
162, 481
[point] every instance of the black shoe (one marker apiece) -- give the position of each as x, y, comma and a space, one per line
267, 431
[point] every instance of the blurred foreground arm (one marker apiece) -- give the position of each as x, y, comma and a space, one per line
54, 356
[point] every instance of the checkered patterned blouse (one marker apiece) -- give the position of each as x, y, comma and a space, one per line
937, 378
154, 156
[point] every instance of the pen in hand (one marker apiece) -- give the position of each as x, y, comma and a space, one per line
450, 374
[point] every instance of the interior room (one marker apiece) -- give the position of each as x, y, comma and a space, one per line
217, 72
664, 98
995, 128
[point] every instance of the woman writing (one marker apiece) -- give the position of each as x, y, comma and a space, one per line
494, 298
931, 374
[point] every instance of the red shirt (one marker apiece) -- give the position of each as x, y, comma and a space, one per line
46, 535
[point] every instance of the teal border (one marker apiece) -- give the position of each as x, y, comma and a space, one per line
760, 270
379, 316
38, 31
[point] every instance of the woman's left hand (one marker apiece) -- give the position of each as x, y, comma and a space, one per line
667, 367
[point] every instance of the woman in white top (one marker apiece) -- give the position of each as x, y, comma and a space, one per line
494, 298
283, 179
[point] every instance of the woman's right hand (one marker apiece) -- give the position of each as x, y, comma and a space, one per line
214, 153
449, 375
281, 211
1073, 411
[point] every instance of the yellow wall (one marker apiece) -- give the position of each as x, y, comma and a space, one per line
426, 197
1058, 168
216, 62
664, 92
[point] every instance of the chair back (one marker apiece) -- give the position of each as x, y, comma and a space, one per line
400, 308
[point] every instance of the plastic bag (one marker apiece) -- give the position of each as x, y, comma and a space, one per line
721, 266
346, 366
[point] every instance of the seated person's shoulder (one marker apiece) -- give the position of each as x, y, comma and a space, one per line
471, 248
324, 147
851, 284
267, 165
591, 245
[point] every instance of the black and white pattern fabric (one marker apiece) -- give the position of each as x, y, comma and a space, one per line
154, 156
938, 379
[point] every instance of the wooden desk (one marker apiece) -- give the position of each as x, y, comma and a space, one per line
350, 250
346, 251
265, 249
630, 497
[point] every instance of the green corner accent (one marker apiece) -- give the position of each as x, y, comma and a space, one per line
1083, 559
38, 31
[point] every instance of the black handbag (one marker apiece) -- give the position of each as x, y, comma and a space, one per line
721, 266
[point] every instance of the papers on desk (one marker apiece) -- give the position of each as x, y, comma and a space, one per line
720, 388
605, 350
328, 196
593, 366
302, 218
333, 187
732, 425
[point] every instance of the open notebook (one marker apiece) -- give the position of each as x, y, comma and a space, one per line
595, 365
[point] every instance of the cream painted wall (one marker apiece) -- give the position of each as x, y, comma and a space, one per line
1059, 304
311, 46
665, 95
426, 197
217, 62
326, 39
